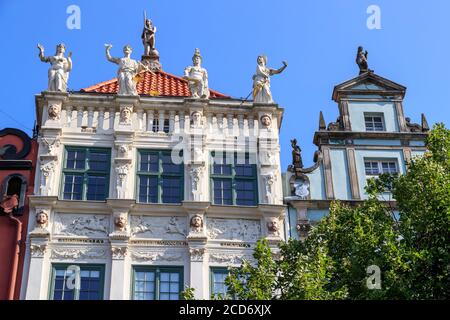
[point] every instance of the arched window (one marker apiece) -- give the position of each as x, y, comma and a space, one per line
15, 184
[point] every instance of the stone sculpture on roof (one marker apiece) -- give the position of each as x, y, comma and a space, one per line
58, 73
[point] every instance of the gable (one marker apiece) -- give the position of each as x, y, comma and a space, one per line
367, 84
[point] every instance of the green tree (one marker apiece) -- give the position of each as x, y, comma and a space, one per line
409, 246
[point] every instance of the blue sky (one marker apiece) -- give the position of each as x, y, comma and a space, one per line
318, 38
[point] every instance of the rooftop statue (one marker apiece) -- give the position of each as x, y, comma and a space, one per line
361, 60
296, 154
58, 73
148, 36
197, 77
261, 80
128, 69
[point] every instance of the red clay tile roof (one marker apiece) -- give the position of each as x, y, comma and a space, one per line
159, 84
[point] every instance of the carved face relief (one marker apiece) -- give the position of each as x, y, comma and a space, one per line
53, 112
273, 226
123, 149
41, 219
197, 223
125, 115
196, 119
121, 221
266, 120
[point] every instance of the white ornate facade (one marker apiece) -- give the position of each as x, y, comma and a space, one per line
126, 230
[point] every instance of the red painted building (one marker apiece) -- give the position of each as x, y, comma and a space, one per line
17, 168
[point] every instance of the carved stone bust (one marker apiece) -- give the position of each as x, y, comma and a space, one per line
266, 121
120, 222
273, 226
196, 120
196, 223
53, 112
42, 219
125, 115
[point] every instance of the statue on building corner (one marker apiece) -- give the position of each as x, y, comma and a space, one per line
58, 73
197, 77
361, 60
261, 80
128, 70
296, 155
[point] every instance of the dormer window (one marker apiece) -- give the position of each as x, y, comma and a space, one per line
374, 122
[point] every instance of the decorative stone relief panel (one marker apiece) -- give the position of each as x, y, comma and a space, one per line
146, 255
234, 229
234, 258
173, 228
81, 225
78, 253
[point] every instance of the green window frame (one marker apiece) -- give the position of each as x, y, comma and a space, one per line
232, 183
85, 174
218, 288
156, 283
159, 180
91, 281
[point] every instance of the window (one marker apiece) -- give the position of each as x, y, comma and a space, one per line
165, 126
15, 184
157, 283
159, 179
218, 286
65, 278
86, 174
374, 122
376, 167
236, 183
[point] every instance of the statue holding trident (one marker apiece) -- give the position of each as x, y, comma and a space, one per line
58, 73
148, 36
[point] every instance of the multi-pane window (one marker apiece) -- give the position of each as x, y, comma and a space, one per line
374, 122
218, 286
77, 282
234, 183
166, 126
160, 180
157, 283
86, 174
377, 167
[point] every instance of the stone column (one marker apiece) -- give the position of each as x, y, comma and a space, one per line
303, 224
140, 119
161, 121
112, 116
120, 269
101, 119
354, 184
150, 117
119, 238
171, 121
37, 286
328, 175
197, 240
90, 117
